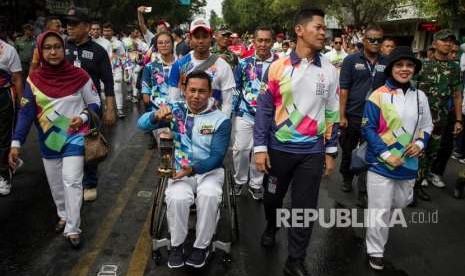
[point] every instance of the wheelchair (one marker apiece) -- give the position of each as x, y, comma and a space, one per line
227, 228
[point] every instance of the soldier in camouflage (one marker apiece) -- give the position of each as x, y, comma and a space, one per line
441, 82
223, 40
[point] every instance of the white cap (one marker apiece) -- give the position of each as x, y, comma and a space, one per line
200, 23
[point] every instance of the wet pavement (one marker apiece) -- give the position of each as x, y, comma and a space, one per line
115, 227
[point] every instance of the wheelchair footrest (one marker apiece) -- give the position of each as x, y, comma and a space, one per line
223, 246
157, 244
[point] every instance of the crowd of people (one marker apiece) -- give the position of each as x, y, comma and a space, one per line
288, 106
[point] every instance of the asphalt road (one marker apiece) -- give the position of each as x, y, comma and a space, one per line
115, 227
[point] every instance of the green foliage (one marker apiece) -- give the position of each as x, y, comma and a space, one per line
215, 20
444, 11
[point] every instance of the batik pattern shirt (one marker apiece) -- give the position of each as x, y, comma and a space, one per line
154, 83
251, 80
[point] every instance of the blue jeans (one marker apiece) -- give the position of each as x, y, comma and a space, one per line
90, 178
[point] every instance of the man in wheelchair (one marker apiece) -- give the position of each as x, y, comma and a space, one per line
201, 137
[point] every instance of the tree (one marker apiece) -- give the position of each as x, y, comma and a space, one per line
215, 20
445, 12
362, 12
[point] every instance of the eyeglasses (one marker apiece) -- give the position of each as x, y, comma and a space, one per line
52, 47
374, 40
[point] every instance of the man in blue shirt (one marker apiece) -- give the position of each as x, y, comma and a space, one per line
361, 73
201, 134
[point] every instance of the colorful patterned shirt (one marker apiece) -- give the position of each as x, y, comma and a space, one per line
251, 79
390, 119
154, 82
52, 117
299, 112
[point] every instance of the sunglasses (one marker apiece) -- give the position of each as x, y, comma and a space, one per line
374, 40
338, 42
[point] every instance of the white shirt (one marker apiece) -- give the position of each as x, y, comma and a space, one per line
336, 57
105, 44
9, 58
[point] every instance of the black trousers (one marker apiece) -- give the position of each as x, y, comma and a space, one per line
446, 147
304, 171
350, 137
7, 119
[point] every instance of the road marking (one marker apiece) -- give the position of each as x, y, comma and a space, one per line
142, 251
82, 268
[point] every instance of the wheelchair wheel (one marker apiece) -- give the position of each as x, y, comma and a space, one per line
158, 218
229, 208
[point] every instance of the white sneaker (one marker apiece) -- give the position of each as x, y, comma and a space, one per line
437, 181
5, 186
424, 183
462, 160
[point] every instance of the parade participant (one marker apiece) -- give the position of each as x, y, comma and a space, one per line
295, 132
251, 81
154, 79
96, 34
161, 25
361, 73
396, 125
52, 24
388, 45
440, 79
136, 48
223, 41
278, 45
180, 45
119, 65
25, 45
82, 52
337, 53
55, 98
11, 89
201, 134
237, 47
223, 83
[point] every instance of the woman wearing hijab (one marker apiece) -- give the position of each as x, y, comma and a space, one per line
56, 98
396, 125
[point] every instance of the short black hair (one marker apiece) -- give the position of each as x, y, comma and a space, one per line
307, 14
107, 25
285, 43
96, 23
265, 29
337, 36
389, 38
455, 42
27, 26
373, 27
198, 74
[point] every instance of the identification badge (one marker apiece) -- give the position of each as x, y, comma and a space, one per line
77, 63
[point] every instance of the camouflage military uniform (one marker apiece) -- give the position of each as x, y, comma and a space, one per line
439, 80
231, 58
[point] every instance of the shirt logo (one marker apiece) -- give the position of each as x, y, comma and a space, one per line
24, 101
360, 66
320, 85
380, 68
87, 55
207, 130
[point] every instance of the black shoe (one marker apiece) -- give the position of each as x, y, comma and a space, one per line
377, 263
458, 192
268, 237
346, 186
421, 194
198, 257
176, 259
362, 201
74, 241
60, 226
295, 268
